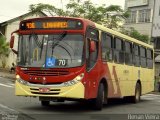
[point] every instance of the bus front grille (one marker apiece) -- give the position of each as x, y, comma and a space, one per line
44, 93
46, 72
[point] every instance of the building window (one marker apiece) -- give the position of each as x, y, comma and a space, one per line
144, 15
132, 17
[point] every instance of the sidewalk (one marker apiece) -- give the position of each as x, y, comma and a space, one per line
7, 74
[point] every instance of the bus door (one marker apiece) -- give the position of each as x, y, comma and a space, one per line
92, 66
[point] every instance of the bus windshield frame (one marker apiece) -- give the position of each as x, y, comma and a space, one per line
57, 50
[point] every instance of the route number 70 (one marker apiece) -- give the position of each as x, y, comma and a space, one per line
62, 62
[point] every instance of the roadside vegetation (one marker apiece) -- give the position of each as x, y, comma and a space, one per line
4, 50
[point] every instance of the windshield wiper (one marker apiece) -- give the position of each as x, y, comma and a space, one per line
58, 40
57, 44
42, 47
38, 42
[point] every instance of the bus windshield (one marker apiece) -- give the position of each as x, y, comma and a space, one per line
51, 51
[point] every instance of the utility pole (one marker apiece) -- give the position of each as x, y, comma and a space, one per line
62, 4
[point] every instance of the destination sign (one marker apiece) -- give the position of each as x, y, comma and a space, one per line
45, 24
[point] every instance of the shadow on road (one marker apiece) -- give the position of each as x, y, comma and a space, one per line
79, 107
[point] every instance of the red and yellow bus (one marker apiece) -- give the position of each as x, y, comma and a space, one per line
62, 58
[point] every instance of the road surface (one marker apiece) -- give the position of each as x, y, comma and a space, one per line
25, 108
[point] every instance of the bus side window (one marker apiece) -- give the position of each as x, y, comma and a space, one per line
136, 55
128, 53
143, 57
118, 51
92, 35
149, 58
106, 44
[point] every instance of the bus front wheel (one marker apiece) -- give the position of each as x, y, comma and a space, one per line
99, 100
45, 103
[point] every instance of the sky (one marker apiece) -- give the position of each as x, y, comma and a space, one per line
14, 8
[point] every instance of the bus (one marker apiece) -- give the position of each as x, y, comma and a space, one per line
64, 58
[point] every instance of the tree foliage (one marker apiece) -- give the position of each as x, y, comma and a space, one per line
4, 50
109, 16
135, 34
4, 47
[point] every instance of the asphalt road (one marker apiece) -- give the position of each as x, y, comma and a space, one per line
25, 108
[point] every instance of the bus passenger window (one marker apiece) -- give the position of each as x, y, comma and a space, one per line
128, 53
118, 51
136, 56
106, 47
143, 57
149, 58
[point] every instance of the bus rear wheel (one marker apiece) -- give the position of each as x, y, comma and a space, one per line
99, 100
45, 103
136, 97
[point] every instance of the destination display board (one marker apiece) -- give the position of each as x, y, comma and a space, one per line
51, 24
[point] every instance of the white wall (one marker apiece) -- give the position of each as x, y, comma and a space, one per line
156, 20
142, 28
146, 27
133, 3
9, 29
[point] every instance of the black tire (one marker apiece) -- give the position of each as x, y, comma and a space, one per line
136, 98
45, 103
98, 102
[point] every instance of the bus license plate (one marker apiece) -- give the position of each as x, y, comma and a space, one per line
44, 90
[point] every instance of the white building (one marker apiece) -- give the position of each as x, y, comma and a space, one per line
7, 27
144, 16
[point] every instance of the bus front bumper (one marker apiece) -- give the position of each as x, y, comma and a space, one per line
75, 91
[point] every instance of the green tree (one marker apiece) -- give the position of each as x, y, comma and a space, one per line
4, 50
109, 16
115, 16
135, 34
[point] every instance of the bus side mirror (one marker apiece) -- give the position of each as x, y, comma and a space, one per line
12, 42
92, 46
16, 52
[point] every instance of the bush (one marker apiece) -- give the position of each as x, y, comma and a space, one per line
4, 50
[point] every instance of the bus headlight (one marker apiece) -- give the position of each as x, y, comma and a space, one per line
20, 80
17, 77
75, 80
